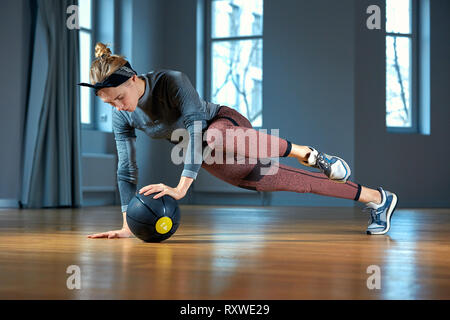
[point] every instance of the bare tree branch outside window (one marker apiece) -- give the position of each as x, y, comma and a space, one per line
400, 82
236, 62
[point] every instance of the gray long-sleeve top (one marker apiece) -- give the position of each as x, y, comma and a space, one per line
168, 103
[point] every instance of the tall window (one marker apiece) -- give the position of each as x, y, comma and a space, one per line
86, 36
235, 46
401, 65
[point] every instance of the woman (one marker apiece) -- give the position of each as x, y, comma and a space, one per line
161, 101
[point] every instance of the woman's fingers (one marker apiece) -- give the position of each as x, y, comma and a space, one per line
113, 235
146, 188
160, 189
109, 234
143, 189
152, 188
159, 195
98, 235
150, 191
164, 190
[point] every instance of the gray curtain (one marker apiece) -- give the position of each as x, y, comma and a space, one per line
52, 159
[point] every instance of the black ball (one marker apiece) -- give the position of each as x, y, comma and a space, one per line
153, 220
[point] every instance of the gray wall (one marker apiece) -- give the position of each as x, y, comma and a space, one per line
323, 86
308, 92
412, 165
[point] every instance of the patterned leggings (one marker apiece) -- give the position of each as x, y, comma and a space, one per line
249, 175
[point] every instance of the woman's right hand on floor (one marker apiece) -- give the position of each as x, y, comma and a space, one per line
114, 234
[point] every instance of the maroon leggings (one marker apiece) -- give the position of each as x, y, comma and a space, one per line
248, 175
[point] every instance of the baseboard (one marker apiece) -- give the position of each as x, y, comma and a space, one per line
9, 203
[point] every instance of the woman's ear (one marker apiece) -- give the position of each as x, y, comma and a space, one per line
133, 81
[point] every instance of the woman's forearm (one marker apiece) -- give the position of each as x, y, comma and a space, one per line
184, 184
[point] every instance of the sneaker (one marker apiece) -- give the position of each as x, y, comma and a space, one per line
381, 214
333, 167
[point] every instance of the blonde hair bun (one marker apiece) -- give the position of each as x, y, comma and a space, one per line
105, 64
101, 50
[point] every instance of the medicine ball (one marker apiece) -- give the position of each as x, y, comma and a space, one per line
153, 220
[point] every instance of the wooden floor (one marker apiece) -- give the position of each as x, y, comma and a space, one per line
226, 253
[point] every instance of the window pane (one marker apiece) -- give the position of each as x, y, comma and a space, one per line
237, 77
85, 65
231, 18
398, 16
84, 13
398, 82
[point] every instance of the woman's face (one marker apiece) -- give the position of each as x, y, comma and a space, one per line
124, 97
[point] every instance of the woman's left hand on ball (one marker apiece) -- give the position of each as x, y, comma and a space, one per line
175, 193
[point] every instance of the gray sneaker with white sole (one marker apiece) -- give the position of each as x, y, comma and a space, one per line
333, 167
381, 214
